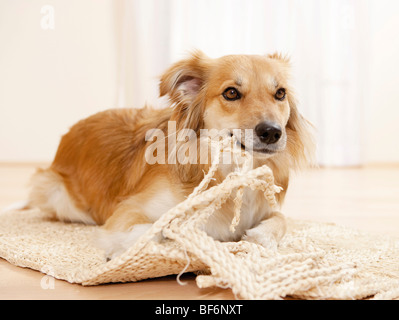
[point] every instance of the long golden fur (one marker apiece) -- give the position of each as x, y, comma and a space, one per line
100, 174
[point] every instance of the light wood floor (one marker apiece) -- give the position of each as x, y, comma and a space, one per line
366, 199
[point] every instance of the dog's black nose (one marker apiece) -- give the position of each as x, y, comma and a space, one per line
268, 132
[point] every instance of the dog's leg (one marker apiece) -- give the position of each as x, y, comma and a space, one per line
135, 215
122, 230
269, 232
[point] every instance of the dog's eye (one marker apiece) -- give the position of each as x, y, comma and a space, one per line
280, 94
231, 94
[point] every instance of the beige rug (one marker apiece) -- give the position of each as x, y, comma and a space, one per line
314, 260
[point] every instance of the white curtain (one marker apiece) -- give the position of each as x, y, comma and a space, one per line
326, 39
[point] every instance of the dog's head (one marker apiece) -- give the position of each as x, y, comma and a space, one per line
240, 92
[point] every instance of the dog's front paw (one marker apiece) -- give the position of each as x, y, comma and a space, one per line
269, 232
116, 243
258, 236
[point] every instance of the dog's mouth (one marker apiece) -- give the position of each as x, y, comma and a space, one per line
258, 150
263, 150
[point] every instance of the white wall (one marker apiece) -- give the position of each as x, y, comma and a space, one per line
382, 127
49, 79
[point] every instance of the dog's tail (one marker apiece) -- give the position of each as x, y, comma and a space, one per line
20, 205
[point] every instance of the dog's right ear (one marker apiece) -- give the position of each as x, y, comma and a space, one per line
184, 79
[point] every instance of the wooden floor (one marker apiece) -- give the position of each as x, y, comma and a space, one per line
366, 199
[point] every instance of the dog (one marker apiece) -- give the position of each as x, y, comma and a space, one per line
100, 174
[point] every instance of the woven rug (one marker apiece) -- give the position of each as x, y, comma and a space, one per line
314, 260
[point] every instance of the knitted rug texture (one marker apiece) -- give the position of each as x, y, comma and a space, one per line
313, 261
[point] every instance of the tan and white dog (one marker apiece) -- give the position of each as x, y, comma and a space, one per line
100, 174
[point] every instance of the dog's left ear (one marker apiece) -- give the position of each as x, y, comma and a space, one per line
183, 82
185, 77
279, 56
